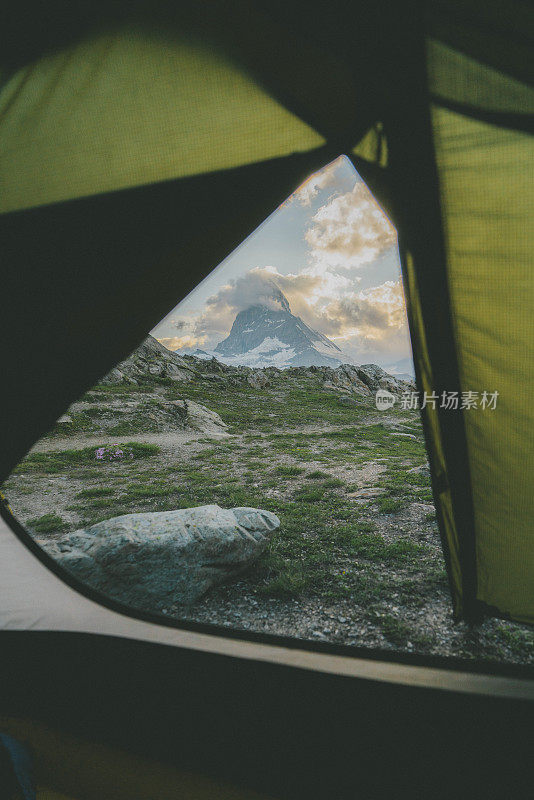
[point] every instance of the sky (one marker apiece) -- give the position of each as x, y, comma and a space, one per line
332, 251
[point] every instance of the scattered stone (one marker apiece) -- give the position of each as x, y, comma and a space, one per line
366, 493
154, 558
423, 508
258, 379
424, 469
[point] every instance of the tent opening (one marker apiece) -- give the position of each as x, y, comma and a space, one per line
258, 463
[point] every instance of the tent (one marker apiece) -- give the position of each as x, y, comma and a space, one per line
140, 143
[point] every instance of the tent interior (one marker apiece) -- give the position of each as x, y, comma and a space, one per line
141, 144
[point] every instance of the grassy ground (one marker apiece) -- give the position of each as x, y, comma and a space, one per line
357, 558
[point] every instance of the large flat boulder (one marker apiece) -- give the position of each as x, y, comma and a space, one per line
197, 417
153, 559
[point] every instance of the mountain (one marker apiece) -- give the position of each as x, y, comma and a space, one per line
150, 358
402, 369
268, 334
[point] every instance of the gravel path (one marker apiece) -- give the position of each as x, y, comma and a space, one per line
165, 440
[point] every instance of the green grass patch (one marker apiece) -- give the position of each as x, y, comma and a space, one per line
333, 483
390, 505
394, 629
98, 491
60, 460
309, 495
288, 471
48, 523
374, 547
135, 491
289, 584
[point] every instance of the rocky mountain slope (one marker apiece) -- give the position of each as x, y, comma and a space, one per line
364, 380
150, 359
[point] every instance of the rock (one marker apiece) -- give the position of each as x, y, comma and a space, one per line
424, 469
374, 377
422, 509
258, 379
157, 415
113, 376
197, 417
64, 420
150, 358
154, 559
350, 374
344, 378
367, 493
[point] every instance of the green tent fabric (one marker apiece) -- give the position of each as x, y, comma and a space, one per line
126, 109
485, 162
139, 146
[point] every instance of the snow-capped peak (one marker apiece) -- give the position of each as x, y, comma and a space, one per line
268, 334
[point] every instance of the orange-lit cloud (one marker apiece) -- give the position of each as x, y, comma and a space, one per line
345, 238
349, 231
364, 324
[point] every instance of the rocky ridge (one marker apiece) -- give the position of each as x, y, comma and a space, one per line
362, 380
149, 408
150, 359
153, 360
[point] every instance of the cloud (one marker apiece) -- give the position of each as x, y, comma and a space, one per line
373, 323
345, 237
367, 325
348, 231
311, 187
190, 342
377, 309
257, 286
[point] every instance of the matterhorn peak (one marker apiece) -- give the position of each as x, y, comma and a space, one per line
266, 333
271, 296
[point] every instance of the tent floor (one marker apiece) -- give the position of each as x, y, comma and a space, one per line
70, 768
245, 729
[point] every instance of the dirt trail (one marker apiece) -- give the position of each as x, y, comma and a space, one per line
166, 440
